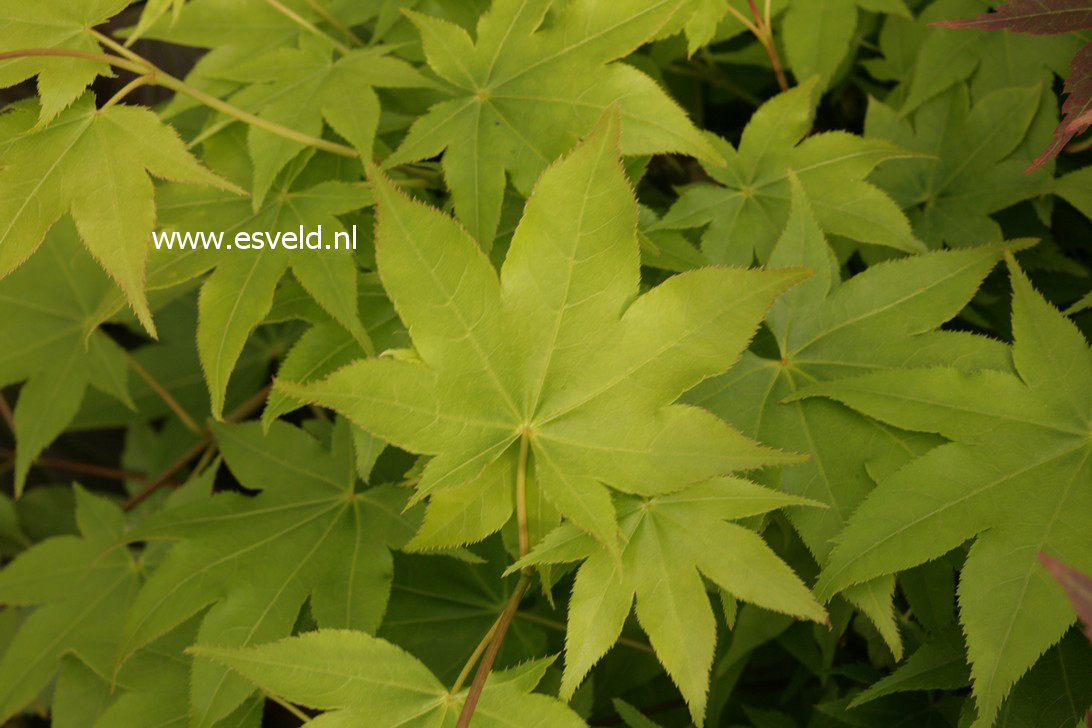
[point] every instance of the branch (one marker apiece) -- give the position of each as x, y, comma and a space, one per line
74, 466
305, 24
153, 485
171, 402
491, 651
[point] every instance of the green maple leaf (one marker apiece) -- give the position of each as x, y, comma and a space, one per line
299, 88
239, 293
94, 164
825, 329
45, 306
971, 165
747, 208
939, 664
237, 30
82, 586
521, 96
152, 690
363, 680
59, 25
818, 35
1014, 479
927, 60
310, 534
554, 364
669, 539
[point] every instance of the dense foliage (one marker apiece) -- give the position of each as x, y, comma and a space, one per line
698, 362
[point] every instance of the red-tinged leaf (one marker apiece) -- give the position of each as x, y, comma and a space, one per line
1049, 17
1036, 17
1077, 109
1077, 585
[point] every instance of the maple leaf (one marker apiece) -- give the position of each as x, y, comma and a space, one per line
45, 305
94, 164
970, 164
309, 534
1014, 479
59, 25
299, 88
1049, 17
521, 96
239, 293
819, 35
363, 680
927, 60
82, 585
747, 209
827, 329
669, 539
554, 361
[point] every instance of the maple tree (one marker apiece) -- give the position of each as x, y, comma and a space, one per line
700, 363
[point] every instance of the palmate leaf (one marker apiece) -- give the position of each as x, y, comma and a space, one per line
363, 680
1014, 479
239, 293
818, 35
60, 25
927, 60
971, 164
669, 539
300, 88
554, 358
94, 164
45, 306
884, 317
746, 211
521, 96
1049, 17
310, 534
81, 586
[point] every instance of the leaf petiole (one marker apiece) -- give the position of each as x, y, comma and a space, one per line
305, 23
159, 389
128, 89
166, 80
491, 651
521, 494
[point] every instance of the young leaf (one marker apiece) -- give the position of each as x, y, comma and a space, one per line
358, 679
54, 24
669, 540
521, 95
309, 534
94, 164
1049, 17
1013, 479
299, 88
238, 295
747, 208
552, 360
